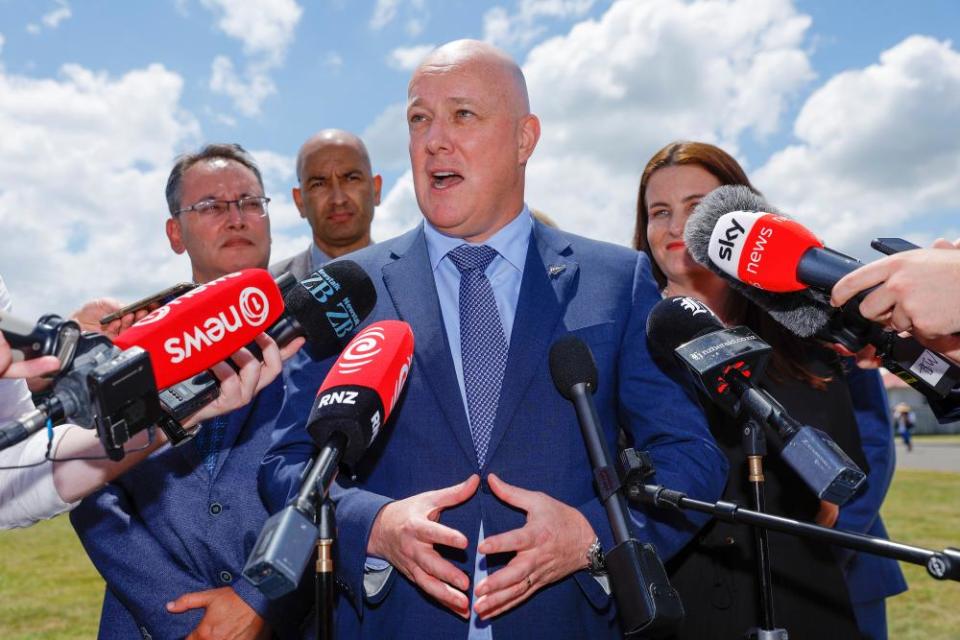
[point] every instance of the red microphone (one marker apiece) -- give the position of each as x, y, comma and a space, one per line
354, 401
205, 325
362, 388
774, 253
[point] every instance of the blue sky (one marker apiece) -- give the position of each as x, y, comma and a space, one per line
846, 114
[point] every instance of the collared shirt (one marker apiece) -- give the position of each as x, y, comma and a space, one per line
317, 257
505, 273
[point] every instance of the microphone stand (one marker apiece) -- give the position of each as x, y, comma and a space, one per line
646, 602
755, 448
940, 565
323, 581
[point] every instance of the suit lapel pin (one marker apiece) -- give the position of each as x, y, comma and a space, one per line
556, 269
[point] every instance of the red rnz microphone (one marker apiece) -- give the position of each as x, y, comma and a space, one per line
205, 325
362, 388
775, 253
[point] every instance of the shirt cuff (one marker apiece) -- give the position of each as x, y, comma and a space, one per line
376, 573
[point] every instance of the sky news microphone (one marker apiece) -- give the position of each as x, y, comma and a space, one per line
801, 310
783, 268
326, 308
352, 405
726, 362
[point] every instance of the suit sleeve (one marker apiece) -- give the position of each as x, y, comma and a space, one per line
876, 437
136, 568
663, 418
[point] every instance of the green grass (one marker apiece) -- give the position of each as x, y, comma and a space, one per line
923, 509
49, 589
938, 438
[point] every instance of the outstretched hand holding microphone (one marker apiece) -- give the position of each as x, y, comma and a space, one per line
916, 291
77, 454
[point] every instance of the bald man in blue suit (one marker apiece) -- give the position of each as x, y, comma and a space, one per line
473, 513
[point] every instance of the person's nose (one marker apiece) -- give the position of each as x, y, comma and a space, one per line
337, 194
438, 138
678, 221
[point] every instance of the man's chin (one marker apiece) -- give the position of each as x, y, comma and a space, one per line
239, 258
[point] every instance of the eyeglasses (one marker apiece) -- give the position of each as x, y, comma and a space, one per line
253, 206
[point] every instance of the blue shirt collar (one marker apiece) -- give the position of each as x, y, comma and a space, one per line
317, 257
510, 242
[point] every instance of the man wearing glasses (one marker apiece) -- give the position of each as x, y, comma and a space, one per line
218, 212
171, 537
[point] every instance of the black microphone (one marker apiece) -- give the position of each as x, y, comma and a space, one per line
326, 307
50, 336
785, 270
726, 362
645, 600
353, 403
99, 386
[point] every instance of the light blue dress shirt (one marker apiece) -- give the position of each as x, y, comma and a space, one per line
505, 273
317, 257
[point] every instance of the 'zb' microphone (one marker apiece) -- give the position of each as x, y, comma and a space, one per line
352, 405
725, 362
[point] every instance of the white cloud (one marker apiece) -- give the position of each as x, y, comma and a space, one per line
247, 93
265, 29
386, 139
415, 27
2, 41
614, 90
878, 146
407, 58
384, 13
505, 30
53, 18
83, 163
398, 211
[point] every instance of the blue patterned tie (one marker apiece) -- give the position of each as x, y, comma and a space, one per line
483, 347
208, 441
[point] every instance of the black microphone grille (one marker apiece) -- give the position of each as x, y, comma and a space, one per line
675, 321
330, 304
571, 362
720, 201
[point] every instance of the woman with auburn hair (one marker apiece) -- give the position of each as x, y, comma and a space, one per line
716, 573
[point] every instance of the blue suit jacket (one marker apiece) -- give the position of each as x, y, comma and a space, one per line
167, 527
599, 292
870, 577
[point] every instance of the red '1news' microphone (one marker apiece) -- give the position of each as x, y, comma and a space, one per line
205, 325
359, 393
